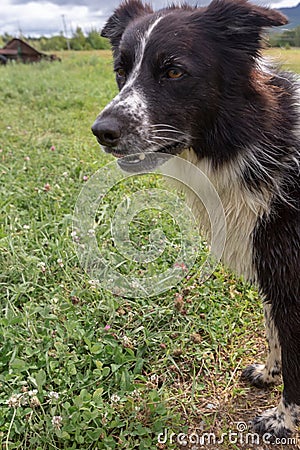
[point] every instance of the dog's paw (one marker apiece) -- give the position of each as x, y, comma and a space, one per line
259, 376
272, 424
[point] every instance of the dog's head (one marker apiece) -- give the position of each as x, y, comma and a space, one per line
177, 70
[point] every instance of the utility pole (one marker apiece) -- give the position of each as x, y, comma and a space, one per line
65, 31
20, 30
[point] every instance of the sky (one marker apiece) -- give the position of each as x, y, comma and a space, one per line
35, 17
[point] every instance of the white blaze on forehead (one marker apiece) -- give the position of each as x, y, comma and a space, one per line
131, 99
140, 52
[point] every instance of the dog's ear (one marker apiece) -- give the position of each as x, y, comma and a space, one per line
240, 23
123, 15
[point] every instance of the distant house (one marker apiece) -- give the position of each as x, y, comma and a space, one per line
18, 50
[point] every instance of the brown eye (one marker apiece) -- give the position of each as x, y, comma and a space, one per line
121, 73
175, 73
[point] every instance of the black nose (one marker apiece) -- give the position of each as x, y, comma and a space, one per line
107, 131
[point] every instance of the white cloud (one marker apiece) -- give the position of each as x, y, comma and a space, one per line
36, 18
284, 3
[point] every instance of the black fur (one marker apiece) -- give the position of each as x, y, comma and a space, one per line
277, 258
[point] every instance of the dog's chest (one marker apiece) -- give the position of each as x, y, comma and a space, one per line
240, 211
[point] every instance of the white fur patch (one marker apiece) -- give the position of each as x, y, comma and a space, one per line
130, 100
241, 208
139, 55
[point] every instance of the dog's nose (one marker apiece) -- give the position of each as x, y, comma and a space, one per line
107, 131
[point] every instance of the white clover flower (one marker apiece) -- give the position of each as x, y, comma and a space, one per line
32, 393
60, 262
126, 341
57, 422
41, 265
94, 283
75, 236
154, 378
14, 401
136, 393
54, 395
115, 398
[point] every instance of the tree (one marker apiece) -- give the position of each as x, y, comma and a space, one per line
7, 37
96, 41
78, 40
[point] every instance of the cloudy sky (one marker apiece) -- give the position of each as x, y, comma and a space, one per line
35, 17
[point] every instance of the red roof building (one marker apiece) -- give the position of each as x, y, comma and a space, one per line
19, 50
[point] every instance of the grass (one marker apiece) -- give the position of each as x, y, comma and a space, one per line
290, 58
81, 368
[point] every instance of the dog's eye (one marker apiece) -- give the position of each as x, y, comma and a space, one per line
174, 73
121, 73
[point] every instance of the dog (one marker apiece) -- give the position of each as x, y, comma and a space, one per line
193, 83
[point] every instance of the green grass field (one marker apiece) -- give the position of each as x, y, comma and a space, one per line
81, 368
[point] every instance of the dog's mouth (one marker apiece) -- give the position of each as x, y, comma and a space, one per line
145, 161
171, 149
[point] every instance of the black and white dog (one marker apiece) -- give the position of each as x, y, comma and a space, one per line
193, 83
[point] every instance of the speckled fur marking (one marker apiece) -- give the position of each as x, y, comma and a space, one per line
279, 422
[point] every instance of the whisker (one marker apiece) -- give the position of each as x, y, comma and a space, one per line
150, 142
167, 139
169, 129
166, 125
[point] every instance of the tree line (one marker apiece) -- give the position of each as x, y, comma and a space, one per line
79, 41
287, 38
94, 41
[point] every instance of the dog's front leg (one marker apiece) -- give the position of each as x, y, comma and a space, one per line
264, 375
280, 422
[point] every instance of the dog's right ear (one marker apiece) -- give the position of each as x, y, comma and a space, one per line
123, 15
